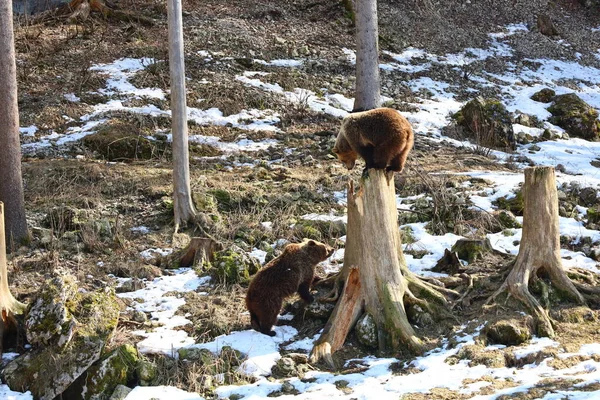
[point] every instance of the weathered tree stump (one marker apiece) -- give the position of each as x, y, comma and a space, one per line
540, 247
377, 279
9, 306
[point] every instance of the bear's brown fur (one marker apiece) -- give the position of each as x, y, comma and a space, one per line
293, 271
382, 137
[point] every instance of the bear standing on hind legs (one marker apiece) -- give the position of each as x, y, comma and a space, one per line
293, 271
382, 137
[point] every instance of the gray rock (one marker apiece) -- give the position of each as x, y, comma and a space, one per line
320, 310
49, 320
366, 331
284, 367
120, 392
48, 371
146, 372
102, 378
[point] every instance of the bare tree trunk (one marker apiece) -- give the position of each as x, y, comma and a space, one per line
540, 247
183, 205
8, 304
11, 183
367, 56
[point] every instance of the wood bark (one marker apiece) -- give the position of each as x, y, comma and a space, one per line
11, 183
367, 56
183, 205
373, 246
8, 304
540, 247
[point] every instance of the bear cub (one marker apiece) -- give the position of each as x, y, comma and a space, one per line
382, 137
293, 271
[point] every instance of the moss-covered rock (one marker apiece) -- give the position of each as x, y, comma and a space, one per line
488, 122
146, 372
593, 214
366, 331
544, 96
507, 219
49, 371
231, 266
49, 321
508, 332
198, 355
64, 219
471, 250
515, 204
121, 141
102, 378
575, 116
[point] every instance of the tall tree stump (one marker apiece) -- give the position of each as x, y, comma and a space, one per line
377, 279
540, 247
8, 304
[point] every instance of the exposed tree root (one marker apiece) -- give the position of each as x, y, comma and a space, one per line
80, 10
540, 248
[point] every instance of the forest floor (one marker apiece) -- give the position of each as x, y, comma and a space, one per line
267, 86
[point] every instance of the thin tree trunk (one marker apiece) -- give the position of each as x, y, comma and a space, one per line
183, 205
8, 304
540, 247
367, 56
11, 183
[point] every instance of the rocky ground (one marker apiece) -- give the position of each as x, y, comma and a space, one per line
97, 170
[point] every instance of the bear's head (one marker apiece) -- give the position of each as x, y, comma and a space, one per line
317, 251
343, 151
348, 158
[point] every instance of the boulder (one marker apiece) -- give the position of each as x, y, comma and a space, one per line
508, 332
544, 96
575, 116
48, 371
50, 321
101, 379
488, 122
231, 266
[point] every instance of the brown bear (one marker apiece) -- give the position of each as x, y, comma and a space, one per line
293, 271
382, 137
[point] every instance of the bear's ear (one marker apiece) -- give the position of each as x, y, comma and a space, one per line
312, 243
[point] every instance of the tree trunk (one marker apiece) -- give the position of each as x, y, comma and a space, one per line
8, 304
11, 183
540, 247
367, 56
183, 205
373, 246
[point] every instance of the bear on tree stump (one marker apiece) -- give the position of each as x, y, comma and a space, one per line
293, 271
382, 137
